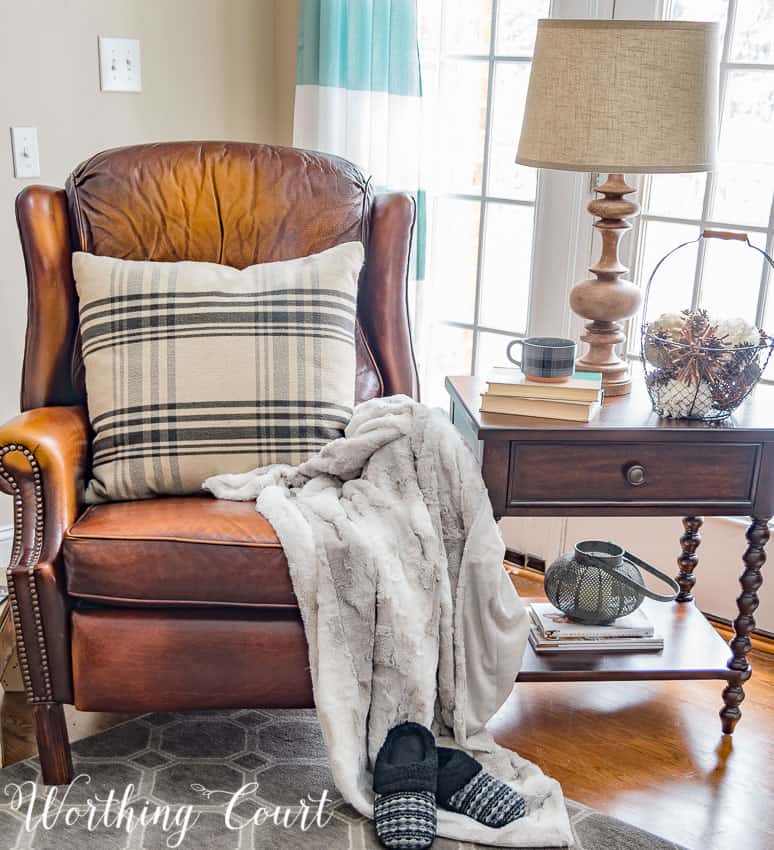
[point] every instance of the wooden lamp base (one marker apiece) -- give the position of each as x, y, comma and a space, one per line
608, 297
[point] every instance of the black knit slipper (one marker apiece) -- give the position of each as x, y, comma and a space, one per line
405, 775
465, 787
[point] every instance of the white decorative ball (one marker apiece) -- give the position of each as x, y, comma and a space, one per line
679, 399
736, 332
667, 324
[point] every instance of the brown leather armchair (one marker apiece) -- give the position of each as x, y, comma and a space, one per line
176, 603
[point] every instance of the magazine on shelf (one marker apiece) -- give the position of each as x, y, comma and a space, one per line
641, 644
553, 624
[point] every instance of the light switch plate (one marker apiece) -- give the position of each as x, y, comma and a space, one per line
26, 158
119, 64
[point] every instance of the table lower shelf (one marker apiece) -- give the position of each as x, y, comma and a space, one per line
692, 650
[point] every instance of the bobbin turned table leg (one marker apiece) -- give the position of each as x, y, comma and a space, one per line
747, 601
688, 559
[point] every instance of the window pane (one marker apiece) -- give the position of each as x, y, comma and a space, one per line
678, 195
463, 118
745, 178
753, 39
454, 257
673, 284
746, 134
731, 278
428, 28
506, 179
466, 26
506, 270
743, 194
491, 352
701, 10
517, 25
451, 354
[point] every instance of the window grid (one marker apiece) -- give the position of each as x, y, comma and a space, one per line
483, 197
706, 221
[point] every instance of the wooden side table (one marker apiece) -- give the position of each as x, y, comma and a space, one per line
629, 462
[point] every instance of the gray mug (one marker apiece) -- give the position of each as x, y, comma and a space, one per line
549, 359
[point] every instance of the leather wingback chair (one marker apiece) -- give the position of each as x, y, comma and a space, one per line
175, 603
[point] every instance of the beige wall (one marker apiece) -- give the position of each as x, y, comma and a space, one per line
210, 69
286, 37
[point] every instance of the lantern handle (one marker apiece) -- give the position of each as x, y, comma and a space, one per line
637, 562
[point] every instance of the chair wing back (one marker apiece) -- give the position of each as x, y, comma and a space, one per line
222, 202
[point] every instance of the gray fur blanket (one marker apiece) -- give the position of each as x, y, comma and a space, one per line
396, 561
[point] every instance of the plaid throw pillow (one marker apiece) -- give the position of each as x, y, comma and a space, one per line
195, 368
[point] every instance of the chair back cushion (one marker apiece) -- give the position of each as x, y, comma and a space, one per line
227, 202
194, 369
231, 203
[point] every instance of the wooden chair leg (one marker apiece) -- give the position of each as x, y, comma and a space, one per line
53, 744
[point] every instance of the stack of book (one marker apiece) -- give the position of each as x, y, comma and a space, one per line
510, 392
551, 631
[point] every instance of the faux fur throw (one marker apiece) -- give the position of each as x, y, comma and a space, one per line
396, 561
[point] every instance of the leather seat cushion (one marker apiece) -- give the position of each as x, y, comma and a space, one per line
182, 551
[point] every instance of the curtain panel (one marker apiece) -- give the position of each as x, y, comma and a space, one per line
358, 94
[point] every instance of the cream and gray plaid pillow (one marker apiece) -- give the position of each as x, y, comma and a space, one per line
193, 369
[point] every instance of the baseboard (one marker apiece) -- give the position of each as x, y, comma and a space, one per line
524, 559
525, 573
761, 639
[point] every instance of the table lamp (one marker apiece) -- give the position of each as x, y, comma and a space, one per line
619, 97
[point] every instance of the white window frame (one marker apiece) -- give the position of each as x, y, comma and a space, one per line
705, 220
564, 242
563, 238
475, 326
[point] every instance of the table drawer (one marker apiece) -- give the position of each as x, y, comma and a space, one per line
637, 472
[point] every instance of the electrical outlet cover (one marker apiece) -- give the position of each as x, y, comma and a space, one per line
119, 64
26, 158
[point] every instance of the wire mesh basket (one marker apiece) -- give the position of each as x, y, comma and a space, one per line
696, 366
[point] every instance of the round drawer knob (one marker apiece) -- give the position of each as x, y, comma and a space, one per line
635, 474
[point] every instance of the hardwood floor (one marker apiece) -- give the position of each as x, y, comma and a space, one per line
650, 753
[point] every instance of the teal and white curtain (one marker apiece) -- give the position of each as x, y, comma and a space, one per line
358, 94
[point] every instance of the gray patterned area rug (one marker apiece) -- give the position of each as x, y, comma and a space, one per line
229, 780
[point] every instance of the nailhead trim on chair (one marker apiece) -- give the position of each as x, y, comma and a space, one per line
30, 562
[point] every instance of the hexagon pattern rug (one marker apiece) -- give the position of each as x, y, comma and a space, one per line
227, 780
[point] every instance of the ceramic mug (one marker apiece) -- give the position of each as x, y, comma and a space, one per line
545, 358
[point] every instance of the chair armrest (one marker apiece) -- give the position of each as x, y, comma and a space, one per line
44, 460
383, 295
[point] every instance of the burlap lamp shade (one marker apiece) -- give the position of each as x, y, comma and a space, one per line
619, 97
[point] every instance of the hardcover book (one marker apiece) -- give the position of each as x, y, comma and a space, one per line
540, 408
582, 386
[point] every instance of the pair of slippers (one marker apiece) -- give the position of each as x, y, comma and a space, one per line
412, 777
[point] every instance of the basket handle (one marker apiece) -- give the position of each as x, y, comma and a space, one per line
725, 234
737, 236
639, 588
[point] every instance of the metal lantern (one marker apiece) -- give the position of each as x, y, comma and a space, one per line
599, 581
